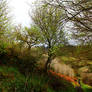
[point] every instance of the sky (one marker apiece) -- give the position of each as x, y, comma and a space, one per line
19, 11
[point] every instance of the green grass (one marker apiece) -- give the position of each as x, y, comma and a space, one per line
86, 88
13, 81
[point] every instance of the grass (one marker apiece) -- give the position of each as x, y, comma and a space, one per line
86, 88
13, 81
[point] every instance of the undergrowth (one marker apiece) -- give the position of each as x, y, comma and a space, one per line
13, 81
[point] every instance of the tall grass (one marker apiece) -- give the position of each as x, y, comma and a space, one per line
13, 81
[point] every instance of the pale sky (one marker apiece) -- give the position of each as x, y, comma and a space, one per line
19, 11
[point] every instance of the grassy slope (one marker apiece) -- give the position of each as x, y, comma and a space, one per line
12, 81
77, 57
87, 88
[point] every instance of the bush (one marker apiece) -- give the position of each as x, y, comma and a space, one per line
13, 81
3, 47
16, 56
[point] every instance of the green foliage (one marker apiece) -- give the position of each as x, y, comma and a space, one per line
27, 36
3, 46
47, 18
19, 69
86, 88
54, 50
4, 18
13, 81
22, 58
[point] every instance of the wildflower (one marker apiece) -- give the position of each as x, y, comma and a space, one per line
69, 79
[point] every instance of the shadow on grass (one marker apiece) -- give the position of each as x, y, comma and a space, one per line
88, 90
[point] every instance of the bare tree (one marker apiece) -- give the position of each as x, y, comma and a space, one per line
77, 11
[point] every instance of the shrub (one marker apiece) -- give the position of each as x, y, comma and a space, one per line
3, 47
22, 58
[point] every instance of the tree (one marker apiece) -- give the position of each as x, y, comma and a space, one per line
29, 36
77, 11
47, 18
4, 19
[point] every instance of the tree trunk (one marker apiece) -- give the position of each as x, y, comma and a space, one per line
47, 65
29, 46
